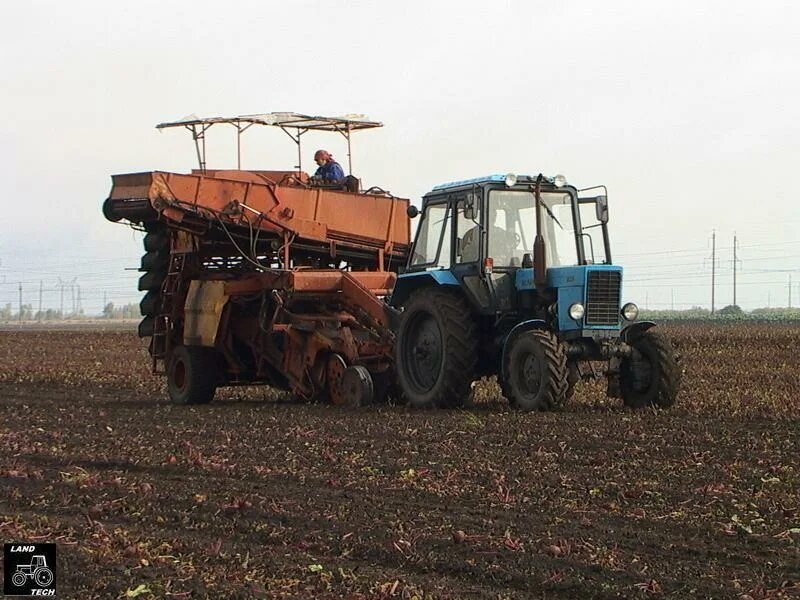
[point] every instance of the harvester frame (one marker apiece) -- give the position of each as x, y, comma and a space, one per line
266, 276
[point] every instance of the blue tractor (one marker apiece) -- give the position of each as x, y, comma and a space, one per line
512, 276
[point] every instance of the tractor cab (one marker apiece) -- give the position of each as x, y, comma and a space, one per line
520, 247
523, 257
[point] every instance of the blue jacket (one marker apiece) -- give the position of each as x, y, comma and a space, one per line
331, 171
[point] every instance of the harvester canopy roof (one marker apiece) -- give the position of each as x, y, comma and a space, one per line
283, 120
297, 123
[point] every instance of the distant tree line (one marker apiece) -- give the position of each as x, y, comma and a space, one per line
731, 312
127, 311
110, 311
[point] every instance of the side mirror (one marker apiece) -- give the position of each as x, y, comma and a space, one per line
412, 211
601, 208
470, 206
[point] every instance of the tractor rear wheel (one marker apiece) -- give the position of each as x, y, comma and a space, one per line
192, 375
535, 374
436, 349
651, 376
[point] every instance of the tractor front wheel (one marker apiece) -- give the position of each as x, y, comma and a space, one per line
535, 374
650, 376
192, 375
436, 349
18, 579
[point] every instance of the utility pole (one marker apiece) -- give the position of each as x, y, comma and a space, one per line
734, 270
713, 270
40, 299
790, 291
20, 303
80, 308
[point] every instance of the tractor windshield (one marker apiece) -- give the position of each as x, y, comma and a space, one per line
511, 227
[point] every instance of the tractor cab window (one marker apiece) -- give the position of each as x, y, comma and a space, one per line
511, 227
468, 234
592, 233
432, 247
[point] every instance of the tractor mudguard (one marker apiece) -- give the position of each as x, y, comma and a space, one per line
635, 329
519, 328
408, 283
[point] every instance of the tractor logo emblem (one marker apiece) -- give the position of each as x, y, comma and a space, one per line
29, 570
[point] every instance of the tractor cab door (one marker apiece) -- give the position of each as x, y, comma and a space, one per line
433, 245
469, 250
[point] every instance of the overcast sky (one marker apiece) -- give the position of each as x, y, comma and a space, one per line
688, 111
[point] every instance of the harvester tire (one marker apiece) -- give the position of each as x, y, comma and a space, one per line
157, 239
154, 260
152, 280
150, 303
193, 375
651, 377
147, 327
436, 350
535, 373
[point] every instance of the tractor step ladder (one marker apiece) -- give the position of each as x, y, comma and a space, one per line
162, 321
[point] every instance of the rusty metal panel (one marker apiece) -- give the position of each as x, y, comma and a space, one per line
333, 281
203, 309
330, 281
317, 213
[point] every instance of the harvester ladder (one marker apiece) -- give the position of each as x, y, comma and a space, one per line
161, 326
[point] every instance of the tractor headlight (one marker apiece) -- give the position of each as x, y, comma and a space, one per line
630, 311
511, 180
576, 311
560, 180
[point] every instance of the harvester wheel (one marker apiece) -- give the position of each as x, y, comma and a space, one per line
651, 376
535, 374
357, 386
334, 377
436, 349
193, 375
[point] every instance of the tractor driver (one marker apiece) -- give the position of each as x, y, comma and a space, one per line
329, 170
502, 243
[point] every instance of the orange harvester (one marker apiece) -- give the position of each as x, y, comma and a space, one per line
266, 277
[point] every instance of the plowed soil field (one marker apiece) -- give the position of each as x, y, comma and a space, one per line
255, 497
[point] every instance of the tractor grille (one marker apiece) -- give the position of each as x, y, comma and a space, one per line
602, 297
